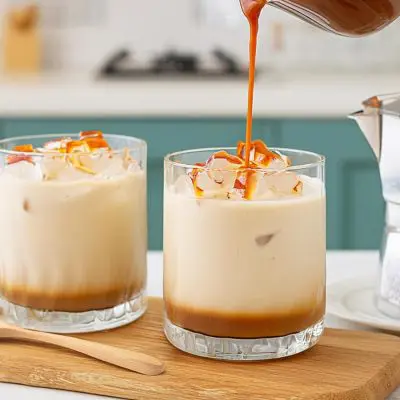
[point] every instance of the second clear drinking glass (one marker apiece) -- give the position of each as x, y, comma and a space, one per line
73, 236
244, 279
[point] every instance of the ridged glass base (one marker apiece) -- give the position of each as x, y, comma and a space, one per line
387, 308
242, 349
65, 322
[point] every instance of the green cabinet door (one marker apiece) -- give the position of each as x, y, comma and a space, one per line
355, 208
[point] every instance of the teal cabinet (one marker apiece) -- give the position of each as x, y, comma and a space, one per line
355, 209
36, 126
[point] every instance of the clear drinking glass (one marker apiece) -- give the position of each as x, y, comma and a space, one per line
72, 244
244, 279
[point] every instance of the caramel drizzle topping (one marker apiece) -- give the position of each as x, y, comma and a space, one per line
246, 178
23, 148
298, 188
193, 176
89, 142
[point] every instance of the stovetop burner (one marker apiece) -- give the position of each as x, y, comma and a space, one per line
173, 64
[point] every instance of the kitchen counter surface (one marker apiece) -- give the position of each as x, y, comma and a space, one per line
307, 95
340, 265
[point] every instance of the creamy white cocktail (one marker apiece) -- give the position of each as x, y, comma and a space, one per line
243, 266
74, 234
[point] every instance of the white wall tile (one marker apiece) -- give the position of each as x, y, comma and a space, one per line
79, 34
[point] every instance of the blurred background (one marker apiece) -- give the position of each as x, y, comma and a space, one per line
175, 74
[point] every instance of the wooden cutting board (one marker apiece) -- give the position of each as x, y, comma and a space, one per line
346, 365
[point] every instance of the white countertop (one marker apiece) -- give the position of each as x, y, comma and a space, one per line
312, 96
340, 265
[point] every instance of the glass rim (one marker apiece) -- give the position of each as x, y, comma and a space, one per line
320, 159
138, 143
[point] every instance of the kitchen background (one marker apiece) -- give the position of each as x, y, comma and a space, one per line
78, 34
176, 91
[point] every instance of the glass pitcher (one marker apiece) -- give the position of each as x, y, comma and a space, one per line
342, 17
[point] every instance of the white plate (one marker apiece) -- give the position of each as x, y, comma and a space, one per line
354, 300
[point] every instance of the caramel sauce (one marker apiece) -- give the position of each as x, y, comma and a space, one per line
225, 156
246, 325
16, 158
27, 148
251, 155
349, 17
65, 302
197, 190
252, 10
261, 155
96, 143
88, 142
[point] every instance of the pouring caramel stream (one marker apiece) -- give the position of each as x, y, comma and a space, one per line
252, 10
250, 155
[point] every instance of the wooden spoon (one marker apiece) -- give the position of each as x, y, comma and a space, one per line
131, 360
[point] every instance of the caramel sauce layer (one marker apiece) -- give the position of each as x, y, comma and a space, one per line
245, 325
79, 302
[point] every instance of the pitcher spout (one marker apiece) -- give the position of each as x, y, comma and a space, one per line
370, 122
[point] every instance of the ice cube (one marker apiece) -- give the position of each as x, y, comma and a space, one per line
206, 182
56, 145
129, 163
260, 154
261, 189
52, 166
111, 167
235, 194
287, 161
205, 186
223, 172
70, 173
184, 185
278, 164
269, 186
132, 166
24, 170
102, 163
219, 176
281, 183
96, 162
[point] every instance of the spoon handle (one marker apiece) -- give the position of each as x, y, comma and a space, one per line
131, 360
